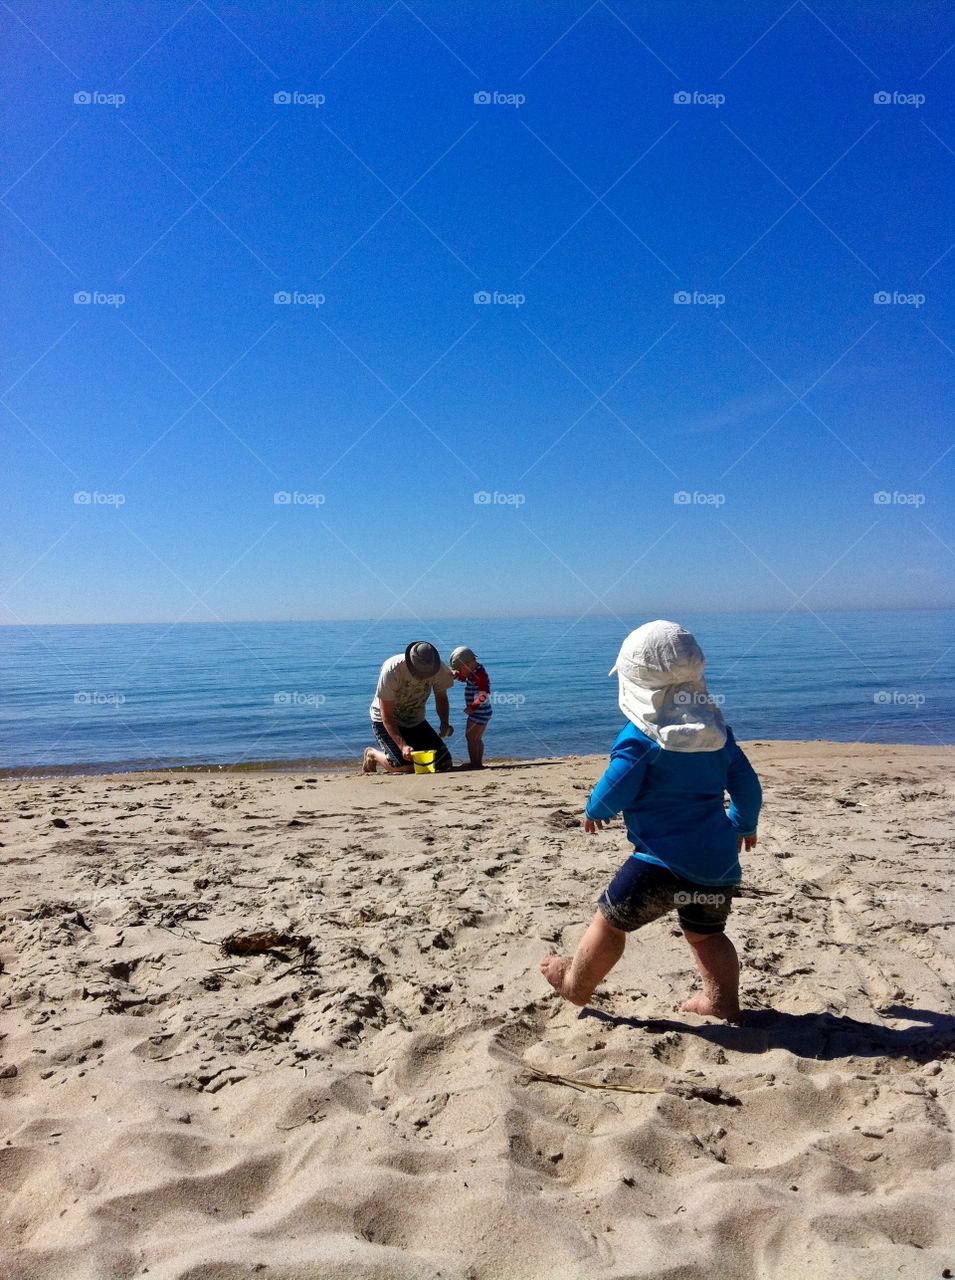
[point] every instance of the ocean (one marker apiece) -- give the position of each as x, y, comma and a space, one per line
297, 693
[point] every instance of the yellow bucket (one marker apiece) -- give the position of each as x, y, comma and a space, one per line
423, 761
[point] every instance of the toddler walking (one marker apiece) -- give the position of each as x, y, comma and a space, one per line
669, 768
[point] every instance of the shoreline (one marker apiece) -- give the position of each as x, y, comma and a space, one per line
337, 765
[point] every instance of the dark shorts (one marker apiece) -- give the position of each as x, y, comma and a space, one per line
641, 892
420, 738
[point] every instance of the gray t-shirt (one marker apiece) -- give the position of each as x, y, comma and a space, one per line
396, 684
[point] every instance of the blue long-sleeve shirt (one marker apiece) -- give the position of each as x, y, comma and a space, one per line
672, 803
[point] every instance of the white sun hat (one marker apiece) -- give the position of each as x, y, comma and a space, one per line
662, 690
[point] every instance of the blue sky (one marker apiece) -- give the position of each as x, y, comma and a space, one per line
639, 453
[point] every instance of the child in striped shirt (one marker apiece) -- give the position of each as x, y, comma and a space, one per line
477, 700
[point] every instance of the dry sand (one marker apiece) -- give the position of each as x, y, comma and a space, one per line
366, 1107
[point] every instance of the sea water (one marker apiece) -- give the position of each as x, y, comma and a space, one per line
150, 696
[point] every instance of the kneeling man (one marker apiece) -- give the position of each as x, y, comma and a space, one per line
398, 710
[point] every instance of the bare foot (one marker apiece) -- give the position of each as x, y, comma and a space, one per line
710, 1008
556, 969
368, 764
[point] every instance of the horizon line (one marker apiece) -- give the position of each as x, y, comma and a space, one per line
483, 617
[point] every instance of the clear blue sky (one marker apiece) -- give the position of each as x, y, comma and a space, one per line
780, 412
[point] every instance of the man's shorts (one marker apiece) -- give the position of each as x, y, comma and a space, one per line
420, 737
641, 892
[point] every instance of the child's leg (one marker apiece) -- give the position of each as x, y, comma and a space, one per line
598, 951
718, 964
475, 740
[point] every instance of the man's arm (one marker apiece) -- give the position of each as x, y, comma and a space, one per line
442, 706
391, 727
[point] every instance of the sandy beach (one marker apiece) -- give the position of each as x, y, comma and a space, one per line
392, 1090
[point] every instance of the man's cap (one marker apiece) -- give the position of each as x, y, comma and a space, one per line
461, 654
422, 659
